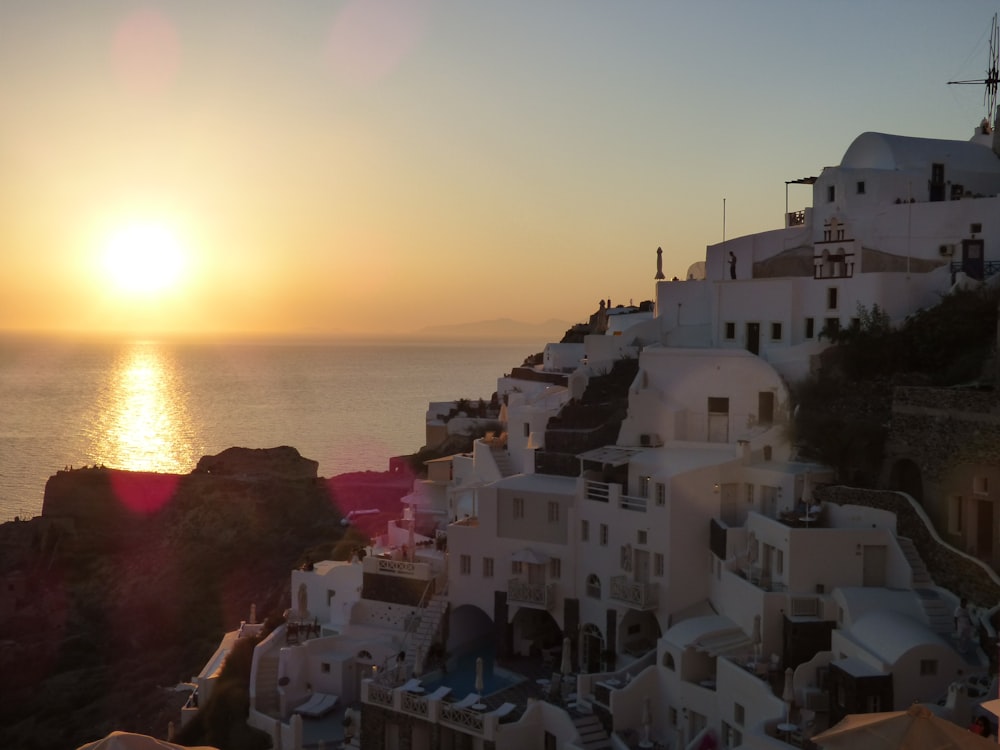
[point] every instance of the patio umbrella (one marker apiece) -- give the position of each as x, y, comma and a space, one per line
303, 612
132, 741
479, 675
917, 728
566, 665
418, 661
647, 719
756, 638
788, 694
253, 614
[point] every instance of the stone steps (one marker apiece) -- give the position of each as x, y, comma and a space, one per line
268, 701
592, 734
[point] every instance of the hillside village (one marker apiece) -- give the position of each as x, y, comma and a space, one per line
759, 504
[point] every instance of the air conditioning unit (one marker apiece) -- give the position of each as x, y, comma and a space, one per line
804, 607
946, 250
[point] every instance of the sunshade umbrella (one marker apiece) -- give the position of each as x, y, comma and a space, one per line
647, 719
566, 665
132, 741
788, 694
917, 728
479, 675
756, 638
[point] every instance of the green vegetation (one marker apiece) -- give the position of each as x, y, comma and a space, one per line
844, 408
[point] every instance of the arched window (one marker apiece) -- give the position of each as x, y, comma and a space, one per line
668, 660
593, 586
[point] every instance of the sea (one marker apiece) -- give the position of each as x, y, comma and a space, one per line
149, 405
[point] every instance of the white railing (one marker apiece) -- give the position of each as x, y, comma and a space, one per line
635, 593
531, 594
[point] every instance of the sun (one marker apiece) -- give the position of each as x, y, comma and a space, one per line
144, 258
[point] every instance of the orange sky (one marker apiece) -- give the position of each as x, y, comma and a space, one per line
371, 166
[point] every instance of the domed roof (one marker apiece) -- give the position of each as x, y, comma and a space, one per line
899, 152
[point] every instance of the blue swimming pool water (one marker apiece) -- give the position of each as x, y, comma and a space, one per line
461, 675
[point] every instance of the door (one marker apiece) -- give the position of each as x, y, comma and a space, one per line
753, 338
729, 501
642, 566
873, 565
972, 259
984, 530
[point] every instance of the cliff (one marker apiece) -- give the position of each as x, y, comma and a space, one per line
125, 584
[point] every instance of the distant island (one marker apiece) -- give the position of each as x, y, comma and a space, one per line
500, 328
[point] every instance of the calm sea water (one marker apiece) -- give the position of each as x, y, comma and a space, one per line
157, 406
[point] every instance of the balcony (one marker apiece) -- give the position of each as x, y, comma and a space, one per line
635, 594
603, 492
537, 595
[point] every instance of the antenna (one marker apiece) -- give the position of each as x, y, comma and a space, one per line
992, 75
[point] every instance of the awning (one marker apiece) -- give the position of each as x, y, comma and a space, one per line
610, 455
530, 556
724, 643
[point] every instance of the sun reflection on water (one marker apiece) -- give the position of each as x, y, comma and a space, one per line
142, 422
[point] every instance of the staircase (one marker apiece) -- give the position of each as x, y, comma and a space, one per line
502, 459
592, 734
939, 618
427, 628
267, 685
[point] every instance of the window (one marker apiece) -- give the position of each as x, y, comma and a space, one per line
810, 328
604, 535
749, 494
553, 511
981, 485
831, 193
640, 536
831, 298
487, 567
643, 486
730, 331
465, 565
779, 561
516, 567
672, 712
955, 514
775, 331
861, 187
928, 667
593, 586
975, 228
739, 714
324, 667
527, 429
518, 507
584, 530
657, 563
831, 326
718, 405
661, 494
555, 568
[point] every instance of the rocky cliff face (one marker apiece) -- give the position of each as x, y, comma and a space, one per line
126, 583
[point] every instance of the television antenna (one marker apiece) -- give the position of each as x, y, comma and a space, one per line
992, 75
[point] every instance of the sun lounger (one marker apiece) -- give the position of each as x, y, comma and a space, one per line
319, 704
505, 709
412, 686
470, 700
440, 693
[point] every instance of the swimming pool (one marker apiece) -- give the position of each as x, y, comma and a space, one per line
461, 675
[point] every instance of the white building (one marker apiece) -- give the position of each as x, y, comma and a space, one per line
686, 572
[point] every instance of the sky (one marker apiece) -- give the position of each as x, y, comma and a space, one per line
372, 167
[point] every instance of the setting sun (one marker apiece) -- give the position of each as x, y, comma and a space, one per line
142, 258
